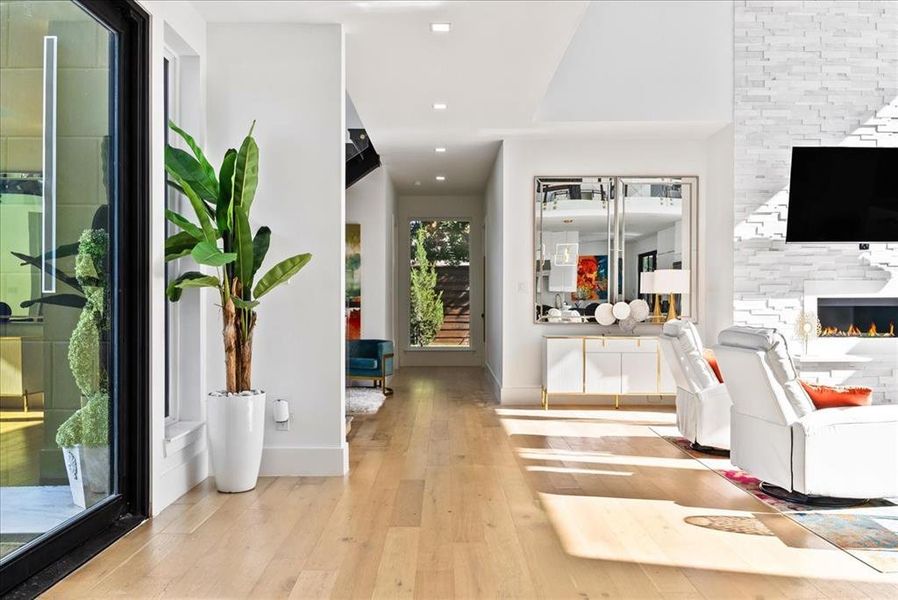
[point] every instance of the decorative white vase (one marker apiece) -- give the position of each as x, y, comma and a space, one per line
88, 472
236, 428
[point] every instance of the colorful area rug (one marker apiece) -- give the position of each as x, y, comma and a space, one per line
868, 532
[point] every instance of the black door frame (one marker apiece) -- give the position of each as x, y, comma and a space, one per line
52, 557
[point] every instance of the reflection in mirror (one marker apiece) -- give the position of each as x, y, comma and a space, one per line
655, 235
572, 247
593, 245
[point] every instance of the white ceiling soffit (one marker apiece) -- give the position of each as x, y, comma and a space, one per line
646, 61
492, 70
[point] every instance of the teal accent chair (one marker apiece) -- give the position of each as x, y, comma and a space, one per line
370, 359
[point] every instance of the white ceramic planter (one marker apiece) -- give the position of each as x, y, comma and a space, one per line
88, 472
236, 428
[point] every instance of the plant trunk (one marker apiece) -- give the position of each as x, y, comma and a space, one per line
230, 333
245, 354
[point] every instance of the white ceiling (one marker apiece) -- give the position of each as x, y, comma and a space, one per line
493, 70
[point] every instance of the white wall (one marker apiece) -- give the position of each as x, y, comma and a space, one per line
525, 159
371, 203
493, 223
176, 464
716, 256
290, 78
439, 207
830, 79
647, 61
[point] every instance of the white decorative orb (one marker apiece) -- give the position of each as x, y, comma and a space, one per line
621, 310
604, 314
639, 309
627, 325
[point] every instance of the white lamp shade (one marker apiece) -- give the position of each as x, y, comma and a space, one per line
671, 281
647, 282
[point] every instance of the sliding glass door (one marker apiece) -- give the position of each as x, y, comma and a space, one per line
66, 153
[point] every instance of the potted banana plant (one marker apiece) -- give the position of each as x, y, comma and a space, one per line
220, 238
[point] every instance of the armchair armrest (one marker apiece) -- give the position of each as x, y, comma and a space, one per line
847, 452
827, 420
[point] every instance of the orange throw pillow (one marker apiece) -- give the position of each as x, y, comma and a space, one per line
825, 396
712, 362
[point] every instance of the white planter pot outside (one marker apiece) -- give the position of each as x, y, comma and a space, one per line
236, 429
88, 470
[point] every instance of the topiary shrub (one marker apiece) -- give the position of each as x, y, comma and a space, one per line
426, 302
89, 425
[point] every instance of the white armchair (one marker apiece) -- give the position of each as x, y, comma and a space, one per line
801, 453
703, 404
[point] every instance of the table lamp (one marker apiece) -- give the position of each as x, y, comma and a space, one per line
647, 286
671, 281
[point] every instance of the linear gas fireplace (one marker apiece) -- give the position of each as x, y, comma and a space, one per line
857, 317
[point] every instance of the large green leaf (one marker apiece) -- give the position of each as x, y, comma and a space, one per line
260, 247
191, 279
246, 172
200, 208
280, 273
197, 152
178, 245
70, 300
224, 209
184, 223
180, 163
207, 253
243, 245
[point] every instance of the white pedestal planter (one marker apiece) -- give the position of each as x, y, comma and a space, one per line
236, 428
88, 472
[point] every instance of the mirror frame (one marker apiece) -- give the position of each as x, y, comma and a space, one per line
616, 223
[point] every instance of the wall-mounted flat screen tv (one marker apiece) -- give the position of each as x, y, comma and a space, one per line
839, 194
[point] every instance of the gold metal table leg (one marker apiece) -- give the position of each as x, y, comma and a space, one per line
616, 401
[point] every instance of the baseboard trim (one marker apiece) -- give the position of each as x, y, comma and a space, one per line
495, 386
314, 461
524, 396
179, 480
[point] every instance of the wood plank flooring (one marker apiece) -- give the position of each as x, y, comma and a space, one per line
450, 496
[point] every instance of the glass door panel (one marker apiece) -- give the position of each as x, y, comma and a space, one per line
440, 286
56, 183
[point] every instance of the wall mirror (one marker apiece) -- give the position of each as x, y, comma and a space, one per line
594, 237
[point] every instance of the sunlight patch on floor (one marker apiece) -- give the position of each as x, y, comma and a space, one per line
657, 532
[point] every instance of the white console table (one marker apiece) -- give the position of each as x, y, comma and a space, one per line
604, 365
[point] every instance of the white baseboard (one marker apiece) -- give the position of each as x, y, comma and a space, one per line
305, 461
495, 386
523, 396
179, 480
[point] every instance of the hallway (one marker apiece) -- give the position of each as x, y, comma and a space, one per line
438, 505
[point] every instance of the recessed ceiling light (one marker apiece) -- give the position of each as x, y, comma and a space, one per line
440, 106
417, 183
439, 149
440, 27
441, 178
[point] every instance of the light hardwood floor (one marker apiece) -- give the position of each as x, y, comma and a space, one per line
452, 496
